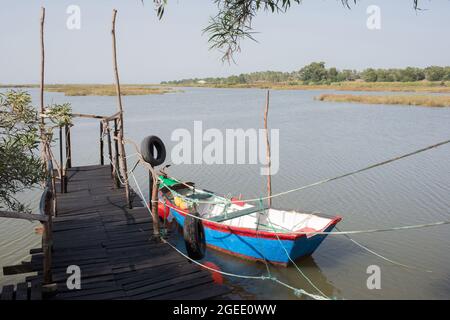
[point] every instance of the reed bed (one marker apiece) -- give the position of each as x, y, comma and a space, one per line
437, 101
98, 89
419, 86
106, 90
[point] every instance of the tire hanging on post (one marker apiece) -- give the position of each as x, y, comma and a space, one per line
148, 145
194, 237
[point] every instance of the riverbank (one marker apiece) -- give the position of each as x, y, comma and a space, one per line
146, 89
418, 86
98, 89
410, 100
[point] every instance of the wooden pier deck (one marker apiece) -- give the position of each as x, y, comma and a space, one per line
111, 244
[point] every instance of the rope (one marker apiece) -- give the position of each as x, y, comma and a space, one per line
343, 175
293, 262
342, 233
383, 257
297, 291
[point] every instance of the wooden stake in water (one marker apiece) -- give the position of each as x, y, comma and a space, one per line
269, 177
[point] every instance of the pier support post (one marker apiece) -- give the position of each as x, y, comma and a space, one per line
154, 206
110, 149
102, 159
68, 148
122, 156
150, 190
62, 173
116, 156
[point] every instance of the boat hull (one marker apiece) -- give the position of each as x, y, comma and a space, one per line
249, 244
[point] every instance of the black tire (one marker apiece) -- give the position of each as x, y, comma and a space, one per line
148, 145
194, 237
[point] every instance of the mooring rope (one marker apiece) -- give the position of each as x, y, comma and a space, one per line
381, 256
293, 262
298, 292
339, 176
342, 233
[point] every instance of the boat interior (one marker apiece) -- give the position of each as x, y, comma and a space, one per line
212, 206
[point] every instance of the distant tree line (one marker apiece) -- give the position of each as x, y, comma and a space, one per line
317, 73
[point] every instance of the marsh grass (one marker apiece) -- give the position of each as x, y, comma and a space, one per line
98, 89
106, 90
410, 100
418, 86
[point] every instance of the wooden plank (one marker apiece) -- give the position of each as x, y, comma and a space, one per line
7, 292
36, 292
22, 291
18, 269
111, 243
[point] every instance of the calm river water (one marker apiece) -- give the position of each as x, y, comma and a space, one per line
317, 140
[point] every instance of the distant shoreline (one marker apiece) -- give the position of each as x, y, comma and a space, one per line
419, 86
98, 89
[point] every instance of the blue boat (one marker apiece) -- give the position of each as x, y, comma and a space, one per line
245, 230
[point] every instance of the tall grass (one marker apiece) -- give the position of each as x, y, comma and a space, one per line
418, 86
410, 100
97, 89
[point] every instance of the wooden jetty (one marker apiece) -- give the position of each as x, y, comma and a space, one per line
112, 245
90, 219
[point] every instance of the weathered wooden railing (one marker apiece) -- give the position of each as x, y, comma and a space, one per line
47, 208
65, 148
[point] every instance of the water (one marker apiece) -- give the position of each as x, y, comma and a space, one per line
317, 140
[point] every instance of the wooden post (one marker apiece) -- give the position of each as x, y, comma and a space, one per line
154, 207
122, 156
68, 148
269, 180
44, 150
54, 200
150, 189
47, 240
61, 166
110, 150
102, 160
116, 155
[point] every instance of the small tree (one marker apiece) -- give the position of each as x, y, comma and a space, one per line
20, 166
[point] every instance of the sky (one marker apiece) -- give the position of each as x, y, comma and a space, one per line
150, 50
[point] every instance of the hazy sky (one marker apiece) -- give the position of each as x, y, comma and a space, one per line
151, 51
